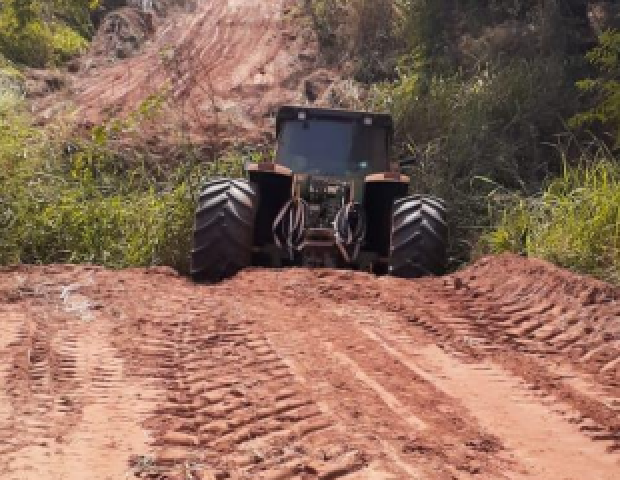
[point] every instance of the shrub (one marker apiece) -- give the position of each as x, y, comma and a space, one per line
604, 90
40, 34
359, 32
30, 44
489, 124
574, 222
79, 201
66, 43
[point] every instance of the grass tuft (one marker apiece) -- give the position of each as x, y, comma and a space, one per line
574, 222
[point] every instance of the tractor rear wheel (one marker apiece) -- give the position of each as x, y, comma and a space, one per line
223, 229
419, 236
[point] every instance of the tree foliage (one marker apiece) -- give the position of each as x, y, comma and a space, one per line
39, 33
480, 89
604, 89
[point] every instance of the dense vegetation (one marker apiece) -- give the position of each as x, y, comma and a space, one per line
519, 96
65, 205
44, 33
511, 107
69, 199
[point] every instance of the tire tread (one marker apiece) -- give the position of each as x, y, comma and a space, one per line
223, 229
419, 236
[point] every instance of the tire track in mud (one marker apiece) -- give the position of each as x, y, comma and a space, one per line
510, 321
445, 406
470, 321
232, 406
555, 311
482, 387
413, 429
544, 371
568, 386
310, 374
65, 392
235, 407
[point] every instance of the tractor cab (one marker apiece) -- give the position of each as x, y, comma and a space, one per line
331, 198
333, 143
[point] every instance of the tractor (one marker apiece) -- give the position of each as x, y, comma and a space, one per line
331, 197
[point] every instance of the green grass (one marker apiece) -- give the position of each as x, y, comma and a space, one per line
574, 222
92, 205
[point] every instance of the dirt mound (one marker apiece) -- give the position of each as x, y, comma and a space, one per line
495, 273
122, 33
552, 308
315, 374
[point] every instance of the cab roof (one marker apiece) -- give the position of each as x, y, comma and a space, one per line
291, 112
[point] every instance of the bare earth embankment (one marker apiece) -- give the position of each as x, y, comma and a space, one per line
222, 68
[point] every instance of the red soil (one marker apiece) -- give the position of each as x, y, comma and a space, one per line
507, 369
223, 67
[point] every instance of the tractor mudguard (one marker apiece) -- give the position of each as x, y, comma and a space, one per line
380, 191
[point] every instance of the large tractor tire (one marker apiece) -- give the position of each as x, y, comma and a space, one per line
223, 229
419, 236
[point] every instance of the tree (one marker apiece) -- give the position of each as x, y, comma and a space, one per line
604, 90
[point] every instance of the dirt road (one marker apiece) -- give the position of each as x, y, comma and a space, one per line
509, 369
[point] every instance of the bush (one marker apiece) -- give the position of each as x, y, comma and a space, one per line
603, 90
66, 43
574, 222
40, 45
30, 45
33, 33
79, 201
490, 124
359, 32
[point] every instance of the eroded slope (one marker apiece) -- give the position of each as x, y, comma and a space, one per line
221, 66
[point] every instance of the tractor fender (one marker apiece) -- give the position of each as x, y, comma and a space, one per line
274, 184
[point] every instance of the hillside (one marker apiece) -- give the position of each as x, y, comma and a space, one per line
510, 109
223, 67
